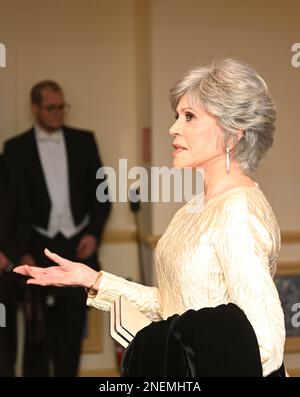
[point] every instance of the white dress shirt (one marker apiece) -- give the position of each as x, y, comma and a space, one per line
53, 156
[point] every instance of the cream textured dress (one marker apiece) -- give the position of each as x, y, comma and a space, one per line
222, 251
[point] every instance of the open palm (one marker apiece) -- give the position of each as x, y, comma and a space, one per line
67, 273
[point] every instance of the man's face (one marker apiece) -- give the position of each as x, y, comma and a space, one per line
50, 113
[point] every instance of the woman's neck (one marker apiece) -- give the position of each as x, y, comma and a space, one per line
217, 180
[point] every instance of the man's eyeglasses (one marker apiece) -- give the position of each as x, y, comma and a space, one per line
64, 107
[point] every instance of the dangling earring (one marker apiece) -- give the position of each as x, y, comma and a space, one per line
227, 160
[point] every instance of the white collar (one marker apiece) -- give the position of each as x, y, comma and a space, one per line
42, 135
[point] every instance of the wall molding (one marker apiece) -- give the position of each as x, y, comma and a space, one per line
292, 344
123, 236
291, 268
120, 237
151, 240
288, 268
129, 237
290, 237
294, 372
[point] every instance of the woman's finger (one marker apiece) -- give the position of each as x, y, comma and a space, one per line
21, 270
37, 281
27, 270
45, 280
57, 259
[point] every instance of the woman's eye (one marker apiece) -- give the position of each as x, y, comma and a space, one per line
189, 116
176, 116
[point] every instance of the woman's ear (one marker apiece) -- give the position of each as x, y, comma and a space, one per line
240, 134
235, 138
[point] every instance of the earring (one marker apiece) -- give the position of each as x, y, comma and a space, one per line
227, 160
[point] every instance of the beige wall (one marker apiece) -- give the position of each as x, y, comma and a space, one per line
90, 48
191, 32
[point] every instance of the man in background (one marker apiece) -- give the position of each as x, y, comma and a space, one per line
8, 291
54, 172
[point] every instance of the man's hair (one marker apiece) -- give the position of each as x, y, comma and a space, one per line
36, 94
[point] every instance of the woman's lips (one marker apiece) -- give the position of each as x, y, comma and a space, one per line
178, 149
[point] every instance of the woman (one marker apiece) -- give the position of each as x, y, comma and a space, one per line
227, 251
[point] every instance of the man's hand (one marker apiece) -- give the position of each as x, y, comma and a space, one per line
4, 262
27, 259
86, 247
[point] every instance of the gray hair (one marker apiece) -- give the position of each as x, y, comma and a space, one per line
239, 98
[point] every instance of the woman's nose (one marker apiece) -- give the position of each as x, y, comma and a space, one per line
175, 129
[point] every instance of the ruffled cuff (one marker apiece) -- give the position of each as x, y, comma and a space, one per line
144, 298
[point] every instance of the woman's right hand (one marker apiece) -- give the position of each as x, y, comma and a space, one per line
68, 273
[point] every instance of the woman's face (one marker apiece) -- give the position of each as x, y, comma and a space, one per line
197, 137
